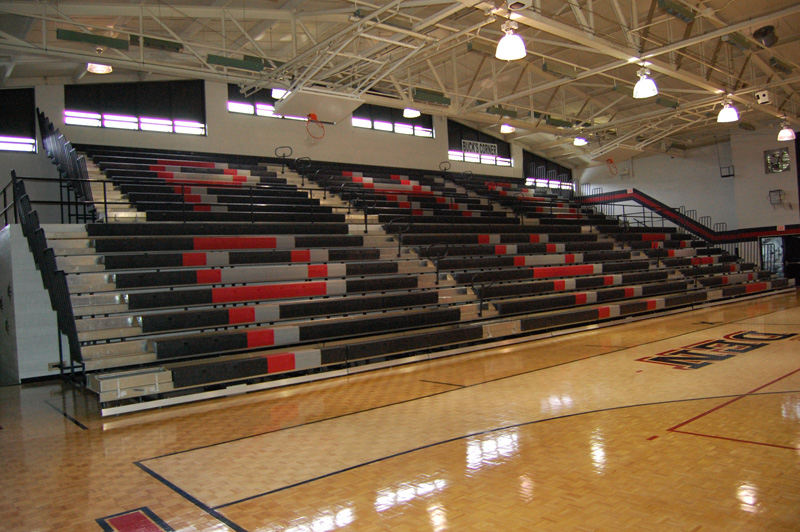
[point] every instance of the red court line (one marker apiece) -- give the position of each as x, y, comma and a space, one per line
723, 405
736, 440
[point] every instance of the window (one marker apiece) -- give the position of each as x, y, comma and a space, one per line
380, 118
472, 146
541, 173
162, 106
17, 120
260, 103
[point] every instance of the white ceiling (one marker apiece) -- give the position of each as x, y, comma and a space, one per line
577, 78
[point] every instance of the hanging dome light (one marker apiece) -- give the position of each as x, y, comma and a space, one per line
645, 87
97, 68
728, 113
507, 128
408, 112
786, 133
580, 141
511, 47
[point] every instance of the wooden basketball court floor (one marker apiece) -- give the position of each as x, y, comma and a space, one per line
689, 422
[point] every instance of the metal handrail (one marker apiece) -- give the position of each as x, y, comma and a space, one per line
247, 190
6, 205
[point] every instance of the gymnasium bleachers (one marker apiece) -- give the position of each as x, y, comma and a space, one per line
211, 270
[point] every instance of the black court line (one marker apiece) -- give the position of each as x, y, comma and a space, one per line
211, 511
481, 433
445, 383
54, 407
465, 386
608, 346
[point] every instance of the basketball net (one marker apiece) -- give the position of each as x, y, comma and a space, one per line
314, 127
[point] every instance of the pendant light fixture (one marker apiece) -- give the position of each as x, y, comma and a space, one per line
408, 112
511, 47
728, 113
97, 68
580, 141
507, 128
645, 87
786, 133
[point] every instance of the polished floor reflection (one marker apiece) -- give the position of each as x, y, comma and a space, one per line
687, 422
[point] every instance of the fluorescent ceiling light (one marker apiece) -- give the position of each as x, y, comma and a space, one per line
728, 113
507, 128
511, 47
645, 87
96, 68
279, 93
580, 141
410, 113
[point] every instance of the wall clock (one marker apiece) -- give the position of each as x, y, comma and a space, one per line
776, 161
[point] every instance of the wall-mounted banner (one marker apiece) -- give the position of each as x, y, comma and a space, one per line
482, 148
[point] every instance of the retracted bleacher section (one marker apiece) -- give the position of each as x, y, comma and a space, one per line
224, 271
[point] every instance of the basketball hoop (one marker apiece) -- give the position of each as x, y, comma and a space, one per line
612, 168
314, 127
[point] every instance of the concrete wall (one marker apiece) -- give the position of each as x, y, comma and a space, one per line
693, 180
253, 135
28, 329
752, 183
31, 165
